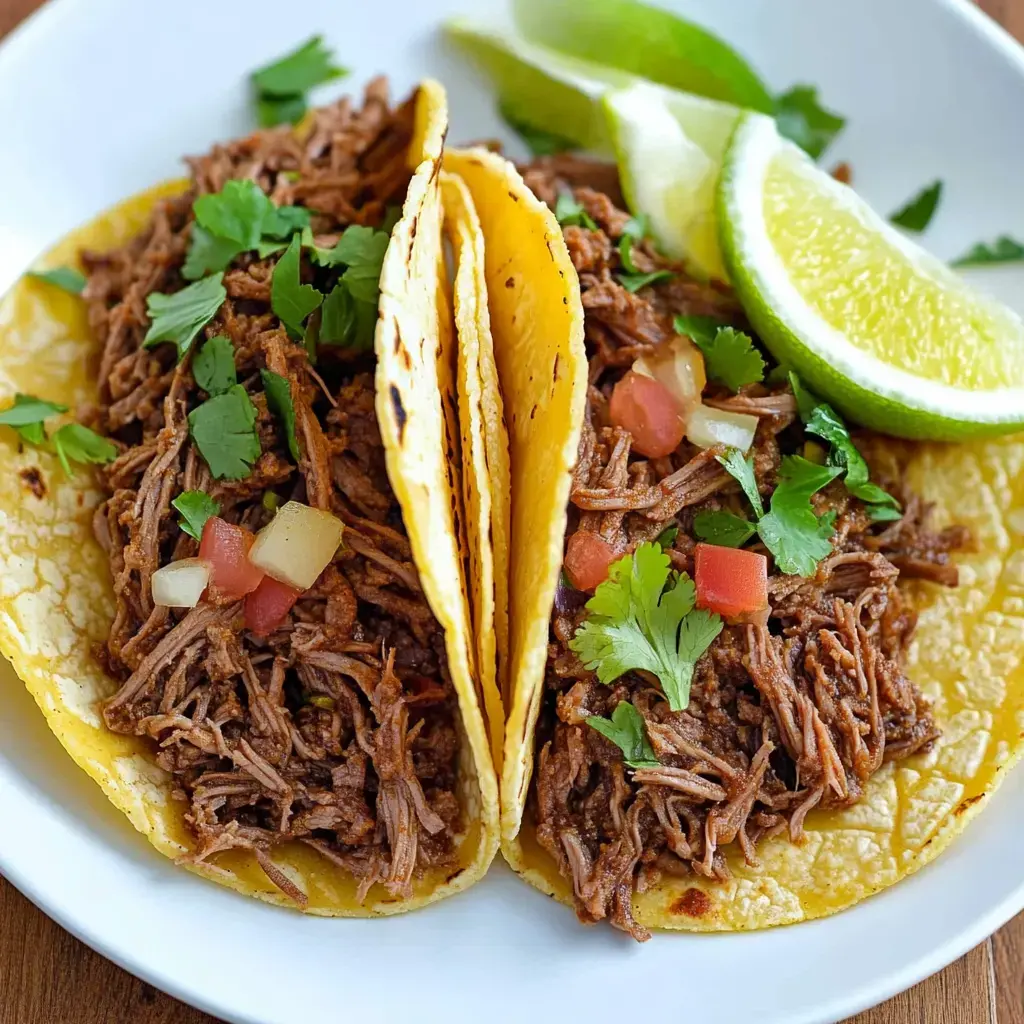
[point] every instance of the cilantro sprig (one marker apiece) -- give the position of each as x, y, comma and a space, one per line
1003, 250
801, 118
72, 443
195, 508
290, 299
626, 730
569, 212
280, 87
632, 278
27, 414
180, 316
730, 356
917, 213
724, 528
214, 365
66, 278
224, 430
823, 421
643, 618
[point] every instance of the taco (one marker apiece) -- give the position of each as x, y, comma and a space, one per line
761, 668
251, 627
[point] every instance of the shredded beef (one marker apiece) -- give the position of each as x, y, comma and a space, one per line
339, 729
786, 715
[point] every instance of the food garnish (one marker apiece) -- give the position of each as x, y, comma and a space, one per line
643, 618
569, 212
213, 365
225, 549
918, 211
626, 730
802, 119
76, 443
280, 88
729, 581
67, 278
297, 544
290, 299
279, 401
224, 430
27, 414
180, 316
1003, 250
180, 584
195, 508
730, 356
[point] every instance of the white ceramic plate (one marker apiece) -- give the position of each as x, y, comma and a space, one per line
98, 98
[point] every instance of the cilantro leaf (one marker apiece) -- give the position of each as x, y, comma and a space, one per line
392, 215
806, 401
299, 71
224, 430
195, 508
362, 251
290, 299
731, 358
723, 528
883, 514
701, 330
1003, 250
279, 400
67, 278
337, 317
569, 212
801, 118
181, 316
797, 537
742, 470
271, 110
667, 537
207, 254
537, 140
634, 282
27, 414
626, 730
281, 222
643, 617
916, 215
214, 365
75, 443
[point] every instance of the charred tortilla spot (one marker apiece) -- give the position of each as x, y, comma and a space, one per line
967, 803
510, 282
513, 196
554, 368
533, 412
396, 404
406, 359
32, 478
693, 903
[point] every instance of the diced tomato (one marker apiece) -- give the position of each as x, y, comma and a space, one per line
646, 408
226, 549
730, 581
587, 557
267, 606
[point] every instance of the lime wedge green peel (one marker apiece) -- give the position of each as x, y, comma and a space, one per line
889, 334
645, 41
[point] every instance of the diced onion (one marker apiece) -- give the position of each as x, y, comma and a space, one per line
180, 584
707, 427
679, 366
297, 544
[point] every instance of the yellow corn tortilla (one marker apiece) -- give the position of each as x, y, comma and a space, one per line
968, 657
56, 599
485, 453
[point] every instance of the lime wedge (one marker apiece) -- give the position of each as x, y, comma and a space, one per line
544, 89
647, 42
884, 330
670, 147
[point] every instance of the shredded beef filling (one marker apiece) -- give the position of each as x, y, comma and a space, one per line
786, 715
338, 729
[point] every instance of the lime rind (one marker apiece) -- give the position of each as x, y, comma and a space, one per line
866, 388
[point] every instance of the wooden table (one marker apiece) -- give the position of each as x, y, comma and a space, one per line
46, 976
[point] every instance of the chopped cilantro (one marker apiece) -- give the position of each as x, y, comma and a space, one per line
802, 119
195, 508
283, 221
214, 365
344, 321
667, 537
362, 251
626, 730
207, 254
723, 528
643, 617
181, 316
742, 470
281, 86
67, 278
1003, 250
270, 501
632, 279
699, 329
321, 700
279, 400
75, 443
730, 358
537, 140
291, 300
392, 215
569, 212
27, 414
224, 430
795, 535
822, 420
917, 214
634, 282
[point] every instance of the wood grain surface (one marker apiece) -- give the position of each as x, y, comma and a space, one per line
49, 977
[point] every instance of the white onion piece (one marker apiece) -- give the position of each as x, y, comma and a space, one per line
679, 366
180, 584
707, 427
297, 544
